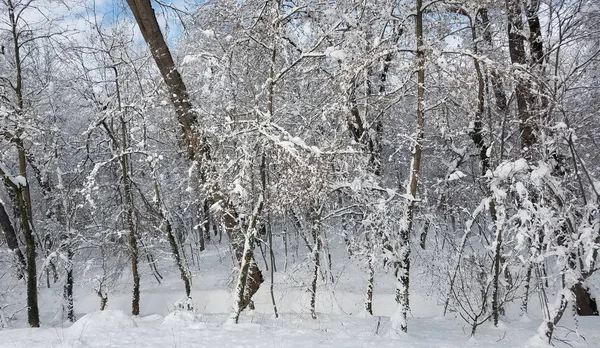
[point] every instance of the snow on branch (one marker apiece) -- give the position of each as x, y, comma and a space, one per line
15, 181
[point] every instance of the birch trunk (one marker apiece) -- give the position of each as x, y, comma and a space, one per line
399, 319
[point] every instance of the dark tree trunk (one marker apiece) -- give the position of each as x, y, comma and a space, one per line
496, 81
527, 287
22, 192
248, 283
194, 140
525, 100
316, 234
178, 259
11, 240
585, 304
133, 247
535, 32
370, 285
68, 288
536, 48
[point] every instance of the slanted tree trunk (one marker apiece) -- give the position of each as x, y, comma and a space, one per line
11, 240
477, 136
242, 300
527, 288
194, 141
173, 243
369, 135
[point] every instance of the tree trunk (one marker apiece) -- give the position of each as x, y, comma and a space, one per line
22, 192
527, 288
272, 257
178, 260
525, 100
32, 303
68, 287
497, 84
402, 271
536, 49
11, 240
133, 247
173, 243
267, 224
194, 140
246, 278
128, 196
370, 285
585, 304
316, 234
496, 275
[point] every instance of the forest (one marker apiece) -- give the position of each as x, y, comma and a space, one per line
412, 153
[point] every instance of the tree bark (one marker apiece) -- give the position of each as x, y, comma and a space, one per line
246, 277
585, 304
496, 80
68, 287
11, 240
316, 234
402, 270
525, 99
370, 285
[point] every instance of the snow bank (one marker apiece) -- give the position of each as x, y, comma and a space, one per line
101, 321
181, 320
537, 342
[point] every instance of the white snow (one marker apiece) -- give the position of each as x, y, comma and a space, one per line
507, 169
101, 321
335, 53
189, 59
456, 175
17, 180
182, 319
539, 172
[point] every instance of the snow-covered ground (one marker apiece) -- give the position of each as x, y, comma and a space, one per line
114, 328
341, 321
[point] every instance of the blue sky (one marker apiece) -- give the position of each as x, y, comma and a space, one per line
114, 10
77, 15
